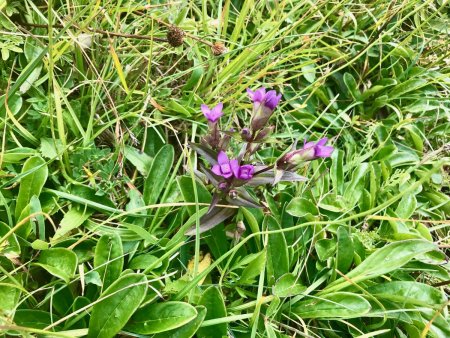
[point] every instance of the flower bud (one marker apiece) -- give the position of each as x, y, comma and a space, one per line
263, 106
264, 133
246, 134
309, 152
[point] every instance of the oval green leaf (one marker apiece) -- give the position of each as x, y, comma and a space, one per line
333, 306
383, 261
116, 306
158, 174
60, 262
34, 174
288, 286
300, 207
277, 251
406, 292
108, 259
187, 330
161, 317
213, 301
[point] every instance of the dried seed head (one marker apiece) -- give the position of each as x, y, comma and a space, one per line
175, 36
218, 48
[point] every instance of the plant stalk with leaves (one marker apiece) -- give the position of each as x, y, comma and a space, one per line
232, 176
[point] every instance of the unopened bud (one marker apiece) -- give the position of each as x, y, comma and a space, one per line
264, 133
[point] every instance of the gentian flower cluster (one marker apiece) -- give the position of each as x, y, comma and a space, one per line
233, 175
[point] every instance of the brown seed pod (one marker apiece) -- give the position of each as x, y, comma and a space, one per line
218, 48
175, 36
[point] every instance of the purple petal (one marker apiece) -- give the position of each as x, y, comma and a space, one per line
250, 93
222, 158
322, 142
246, 172
216, 170
216, 112
309, 145
235, 167
227, 173
259, 95
272, 99
226, 169
323, 151
205, 109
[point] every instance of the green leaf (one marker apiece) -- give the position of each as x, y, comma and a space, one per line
116, 306
158, 174
287, 286
337, 170
405, 292
300, 207
213, 301
139, 159
352, 86
108, 258
35, 208
35, 174
32, 78
50, 148
143, 261
333, 306
355, 188
60, 262
325, 248
14, 104
345, 251
406, 206
9, 294
309, 72
187, 330
36, 319
187, 190
17, 155
93, 277
39, 245
277, 251
11, 245
383, 261
384, 152
161, 317
254, 268
406, 87
86, 197
196, 76
417, 137
71, 220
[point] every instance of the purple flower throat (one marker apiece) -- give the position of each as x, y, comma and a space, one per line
230, 168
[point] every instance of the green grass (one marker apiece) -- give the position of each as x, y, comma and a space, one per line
98, 184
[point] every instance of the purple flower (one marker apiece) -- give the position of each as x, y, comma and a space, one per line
320, 149
214, 114
244, 172
224, 167
260, 97
263, 106
228, 168
310, 151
